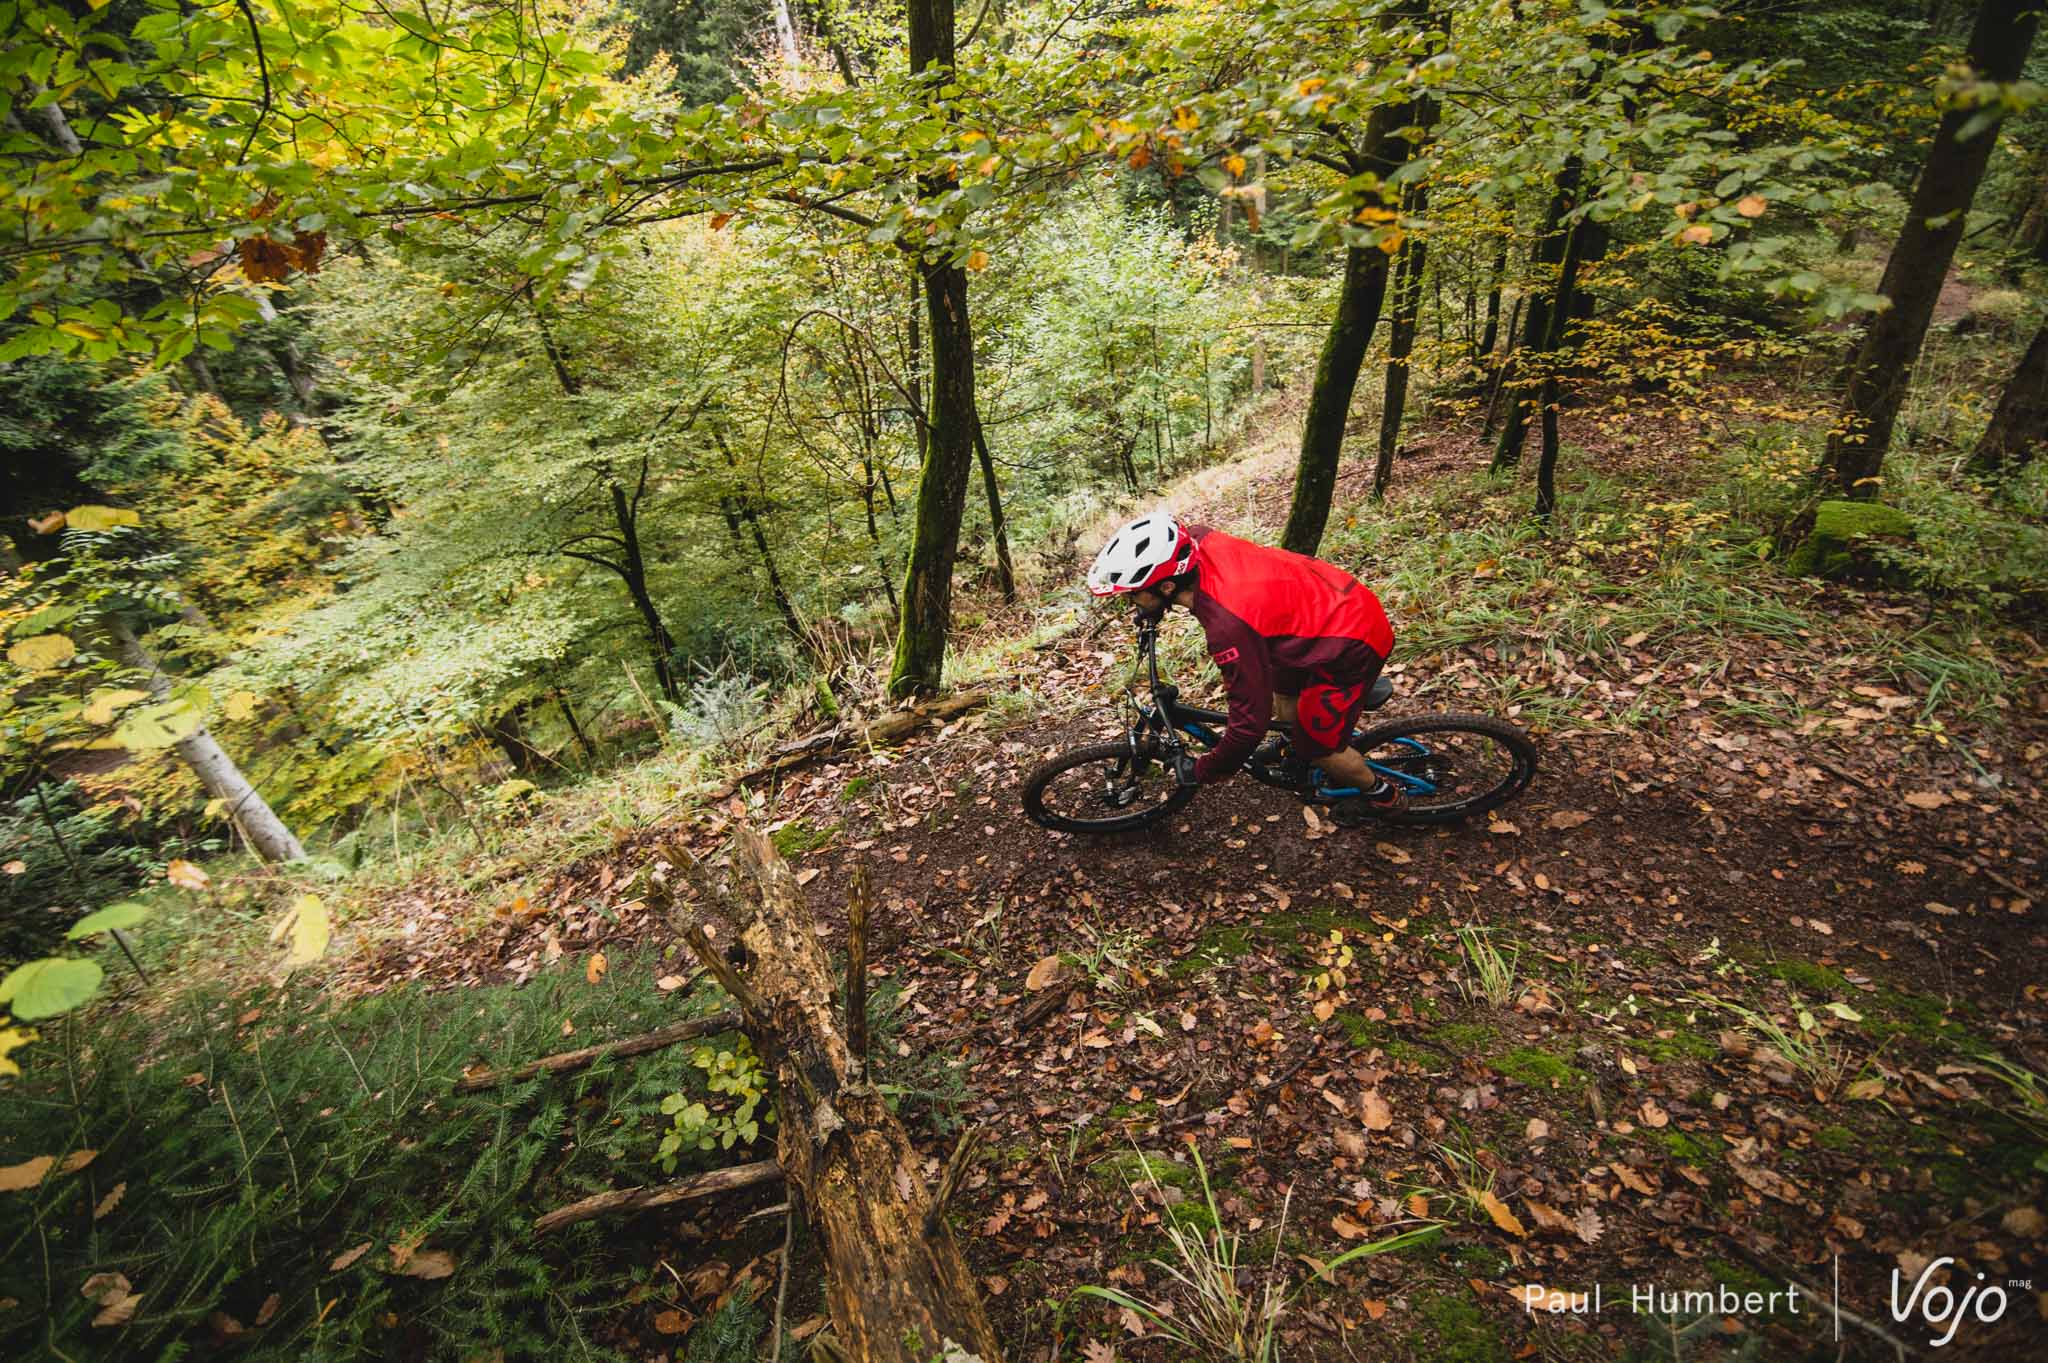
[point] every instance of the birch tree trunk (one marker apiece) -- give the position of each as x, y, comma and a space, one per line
214, 768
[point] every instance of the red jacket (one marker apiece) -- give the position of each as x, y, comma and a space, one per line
1277, 620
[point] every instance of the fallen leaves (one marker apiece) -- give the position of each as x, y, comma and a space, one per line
1043, 975
115, 1296
347, 1257
1926, 799
1502, 1216
594, 968
1567, 818
1374, 1110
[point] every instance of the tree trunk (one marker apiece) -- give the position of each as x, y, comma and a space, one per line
1882, 368
1329, 401
1407, 304
214, 768
1536, 321
634, 570
1491, 335
2020, 425
1407, 308
740, 507
1358, 312
896, 1285
1561, 313
927, 601
575, 728
510, 736
1006, 575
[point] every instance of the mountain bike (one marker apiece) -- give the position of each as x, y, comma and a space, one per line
1451, 767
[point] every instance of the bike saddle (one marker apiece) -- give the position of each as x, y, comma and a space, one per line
1382, 692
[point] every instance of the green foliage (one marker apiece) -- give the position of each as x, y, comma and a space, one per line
253, 1156
734, 1076
730, 1334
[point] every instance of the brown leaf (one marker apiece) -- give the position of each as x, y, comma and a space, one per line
101, 1286
1548, 1217
1374, 1111
347, 1257
225, 1326
672, 1322
1590, 1227
1751, 205
1043, 975
427, 1263
27, 1174
1350, 1142
186, 876
1653, 1115
1537, 1130
1567, 818
1632, 1179
1098, 1351
1347, 1228
110, 1201
1418, 1204
1398, 855
593, 969
118, 1310
669, 983
1502, 1217
1926, 799
268, 1309
2025, 1222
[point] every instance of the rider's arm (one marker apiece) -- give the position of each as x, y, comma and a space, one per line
1240, 653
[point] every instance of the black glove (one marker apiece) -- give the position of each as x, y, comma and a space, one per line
1184, 770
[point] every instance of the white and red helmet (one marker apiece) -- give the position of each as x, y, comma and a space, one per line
1148, 550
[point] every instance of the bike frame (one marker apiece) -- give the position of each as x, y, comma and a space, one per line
1169, 723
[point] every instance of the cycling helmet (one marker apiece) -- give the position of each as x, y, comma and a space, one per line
1146, 551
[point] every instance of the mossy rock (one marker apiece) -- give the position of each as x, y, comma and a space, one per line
1838, 546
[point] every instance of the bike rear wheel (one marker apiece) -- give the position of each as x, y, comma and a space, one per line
1103, 788
1452, 767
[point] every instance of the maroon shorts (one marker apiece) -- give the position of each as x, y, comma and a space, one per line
1327, 710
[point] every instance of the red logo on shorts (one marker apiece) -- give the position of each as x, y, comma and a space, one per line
1228, 655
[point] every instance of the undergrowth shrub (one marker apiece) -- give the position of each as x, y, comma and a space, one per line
243, 1148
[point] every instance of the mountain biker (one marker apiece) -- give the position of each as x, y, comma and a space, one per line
1297, 640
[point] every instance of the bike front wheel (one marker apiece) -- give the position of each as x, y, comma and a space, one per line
1103, 788
1452, 767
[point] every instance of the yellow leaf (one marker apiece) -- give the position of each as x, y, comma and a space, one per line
43, 652
82, 331
186, 876
241, 705
27, 1174
101, 517
47, 525
1234, 164
1391, 242
1699, 234
593, 970
13, 1039
100, 710
1502, 1217
1186, 119
307, 924
977, 260
110, 1201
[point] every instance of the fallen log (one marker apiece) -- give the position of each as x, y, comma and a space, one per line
890, 728
896, 1285
590, 1055
713, 1184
